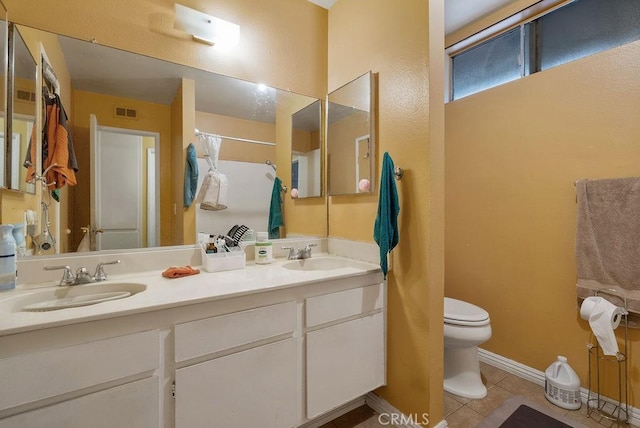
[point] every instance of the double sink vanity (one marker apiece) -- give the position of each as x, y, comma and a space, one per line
269, 345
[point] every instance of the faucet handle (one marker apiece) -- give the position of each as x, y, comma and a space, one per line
307, 248
100, 274
67, 277
292, 252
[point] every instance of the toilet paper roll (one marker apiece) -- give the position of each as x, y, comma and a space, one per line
604, 317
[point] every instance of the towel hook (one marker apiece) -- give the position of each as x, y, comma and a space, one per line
398, 172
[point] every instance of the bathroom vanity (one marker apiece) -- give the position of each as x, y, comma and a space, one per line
270, 345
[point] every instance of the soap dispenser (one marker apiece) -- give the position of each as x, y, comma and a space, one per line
7, 257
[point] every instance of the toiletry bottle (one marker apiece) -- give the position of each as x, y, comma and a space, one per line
18, 236
211, 246
7, 258
263, 249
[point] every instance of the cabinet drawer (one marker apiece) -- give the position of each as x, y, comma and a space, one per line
343, 304
32, 377
135, 404
207, 336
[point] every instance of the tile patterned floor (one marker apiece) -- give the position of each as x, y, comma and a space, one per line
362, 417
464, 413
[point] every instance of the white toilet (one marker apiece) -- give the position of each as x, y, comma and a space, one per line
465, 327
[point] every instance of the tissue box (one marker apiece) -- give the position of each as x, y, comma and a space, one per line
218, 262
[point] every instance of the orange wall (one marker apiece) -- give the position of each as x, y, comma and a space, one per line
404, 46
233, 127
14, 203
341, 155
183, 124
152, 117
304, 216
267, 52
513, 154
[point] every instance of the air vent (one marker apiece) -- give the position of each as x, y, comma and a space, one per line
124, 112
27, 96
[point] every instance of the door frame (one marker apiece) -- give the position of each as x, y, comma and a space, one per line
94, 163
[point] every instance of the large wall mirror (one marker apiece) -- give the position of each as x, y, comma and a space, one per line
306, 151
23, 110
351, 137
124, 105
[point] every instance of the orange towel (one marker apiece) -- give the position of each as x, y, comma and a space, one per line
58, 150
179, 271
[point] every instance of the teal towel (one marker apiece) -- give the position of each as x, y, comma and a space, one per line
275, 210
190, 176
385, 230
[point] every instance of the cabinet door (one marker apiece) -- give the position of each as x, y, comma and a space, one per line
256, 387
136, 404
344, 361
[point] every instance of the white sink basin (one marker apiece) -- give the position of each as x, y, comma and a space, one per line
56, 298
322, 263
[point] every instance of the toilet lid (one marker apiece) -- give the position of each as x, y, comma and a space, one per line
463, 313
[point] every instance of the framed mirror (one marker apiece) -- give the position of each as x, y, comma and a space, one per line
306, 151
351, 137
23, 110
135, 95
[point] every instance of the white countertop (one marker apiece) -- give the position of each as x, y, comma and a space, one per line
162, 293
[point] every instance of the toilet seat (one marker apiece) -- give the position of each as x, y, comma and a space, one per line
457, 312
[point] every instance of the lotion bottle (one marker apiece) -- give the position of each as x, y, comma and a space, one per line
7, 258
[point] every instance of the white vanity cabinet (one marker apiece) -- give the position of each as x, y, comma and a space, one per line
102, 383
241, 369
345, 346
272, 358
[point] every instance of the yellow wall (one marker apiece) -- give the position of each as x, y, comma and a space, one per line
404, 46
152, 117
183, 125
304, 216
513, 154
14, 203
267, 52
341, 155
233, 127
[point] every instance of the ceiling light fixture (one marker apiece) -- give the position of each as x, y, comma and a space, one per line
206, 28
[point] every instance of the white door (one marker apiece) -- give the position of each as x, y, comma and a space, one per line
117, 199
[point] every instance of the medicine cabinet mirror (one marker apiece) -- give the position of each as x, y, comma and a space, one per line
351, 137
306, 152
3, 85
23, 109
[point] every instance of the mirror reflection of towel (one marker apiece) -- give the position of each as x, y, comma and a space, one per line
190, 176
275, 210
213, 193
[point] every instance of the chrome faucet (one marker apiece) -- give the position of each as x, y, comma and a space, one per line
301, 253
81, 276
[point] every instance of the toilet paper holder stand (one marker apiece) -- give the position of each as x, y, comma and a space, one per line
613, 411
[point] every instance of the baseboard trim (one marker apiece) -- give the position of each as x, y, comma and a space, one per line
382, 407
536, 376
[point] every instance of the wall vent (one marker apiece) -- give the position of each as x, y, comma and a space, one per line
124, 112
26, 96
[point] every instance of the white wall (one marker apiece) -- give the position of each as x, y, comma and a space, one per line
249, 196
